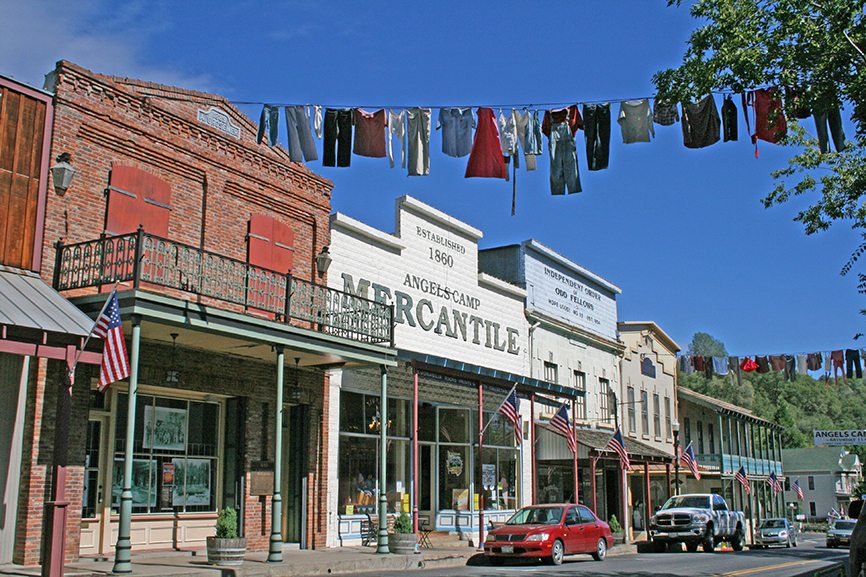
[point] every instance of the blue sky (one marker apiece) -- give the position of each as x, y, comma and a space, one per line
682, 232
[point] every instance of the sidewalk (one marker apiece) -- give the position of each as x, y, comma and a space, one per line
296, 563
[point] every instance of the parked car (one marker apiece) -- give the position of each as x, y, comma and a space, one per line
839, 532
777, 531
697, 519
549, 532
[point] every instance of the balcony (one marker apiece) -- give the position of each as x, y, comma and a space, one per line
143, 259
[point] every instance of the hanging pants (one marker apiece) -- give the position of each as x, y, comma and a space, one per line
596, 122
268, 124
563, 160
833, 118
338, 133
852, 361
302, 147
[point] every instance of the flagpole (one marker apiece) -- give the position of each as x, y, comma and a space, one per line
90, 334
481, 434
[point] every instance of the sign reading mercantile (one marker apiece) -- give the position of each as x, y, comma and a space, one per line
216, 118
840, 438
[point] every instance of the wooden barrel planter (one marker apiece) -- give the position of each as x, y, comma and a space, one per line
226, 551
402, 543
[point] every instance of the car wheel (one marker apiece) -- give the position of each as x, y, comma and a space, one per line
692, 546
495, 561
600, 550
737, 541
709, 542
557, 552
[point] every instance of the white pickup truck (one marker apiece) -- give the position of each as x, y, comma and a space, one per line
697, 519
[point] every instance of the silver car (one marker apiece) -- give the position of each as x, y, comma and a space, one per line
775, 532
839, 532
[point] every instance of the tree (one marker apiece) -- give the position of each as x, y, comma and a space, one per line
704, 345
814, 46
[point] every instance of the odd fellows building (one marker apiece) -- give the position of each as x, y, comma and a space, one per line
215, 246
573, 341
451, 460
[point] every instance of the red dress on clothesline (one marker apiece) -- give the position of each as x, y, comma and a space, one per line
486, 158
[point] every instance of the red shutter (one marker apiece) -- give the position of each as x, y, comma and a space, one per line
136, 197
271, 243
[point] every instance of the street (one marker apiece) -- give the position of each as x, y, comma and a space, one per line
811, 555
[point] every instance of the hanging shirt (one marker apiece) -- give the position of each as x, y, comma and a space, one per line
508, 133
418, 140
397, 128
570, 116
777, 362
701, 123
729, 119
370, 133
526, 136
720, 365
486, 160
635, 121
748, 365
802, 364
814, 361
770, 123
665, 114
456, 125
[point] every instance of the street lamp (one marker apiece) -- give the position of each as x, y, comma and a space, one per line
675, 426
793, 507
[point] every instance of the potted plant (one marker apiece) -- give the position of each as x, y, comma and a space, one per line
402, 540
225, 547
616, 530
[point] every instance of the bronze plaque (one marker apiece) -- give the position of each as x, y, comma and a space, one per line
261, 483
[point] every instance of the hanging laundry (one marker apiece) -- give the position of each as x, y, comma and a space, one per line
418, 122
701, 123
831, 118
318, 122
486, 160
720, 365
560, 127
795, 98
698, 362
529, 134
397, 128
508, 140
635, 121
837, 358
302, 147
748, 365
852, 362
735, 368
337, 149
686, 365
790, 370
763, 364
456, 125
665, 114
268, 122
813, 361
729, 119
708, 367
596, 132
370, 130
770, 123
802, 364
777, 362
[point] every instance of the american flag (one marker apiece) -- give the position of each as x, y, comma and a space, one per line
774, 483
510, 407
561, 424
795, 486
740, 476
688, 459
115, 366
617, 444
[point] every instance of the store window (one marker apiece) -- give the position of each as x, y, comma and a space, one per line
580, 385
687, 431
604, 393
551, 372
811, 483
711, 438
174, 467
700, 437
632, 424
499, 463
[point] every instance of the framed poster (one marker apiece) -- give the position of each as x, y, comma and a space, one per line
164, 428
191, 482
143, 483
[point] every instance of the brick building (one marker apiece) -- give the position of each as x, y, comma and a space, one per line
212, 242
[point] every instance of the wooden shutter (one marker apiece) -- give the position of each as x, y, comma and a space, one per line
136, 197
271, 243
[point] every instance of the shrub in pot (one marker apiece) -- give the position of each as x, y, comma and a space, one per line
616, 530
402, 541
225, 547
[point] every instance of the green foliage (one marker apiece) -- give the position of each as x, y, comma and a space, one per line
403, 523
615, 527
705, 345
814, 45
227, 524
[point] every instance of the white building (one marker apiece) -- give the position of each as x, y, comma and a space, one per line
828, 477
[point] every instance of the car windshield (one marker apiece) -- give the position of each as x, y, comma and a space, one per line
773, 524
844, 525
690, 501
536, 516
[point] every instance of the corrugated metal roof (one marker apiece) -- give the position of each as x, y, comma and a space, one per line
27, 301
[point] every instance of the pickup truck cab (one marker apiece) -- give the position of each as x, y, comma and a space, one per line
697, 519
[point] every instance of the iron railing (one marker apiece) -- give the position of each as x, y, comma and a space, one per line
144, 258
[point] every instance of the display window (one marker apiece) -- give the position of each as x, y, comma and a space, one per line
175, 458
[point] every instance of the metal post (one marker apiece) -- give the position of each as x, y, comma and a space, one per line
123, 548
574, 457
275, 546
532, 448
382, 538
415, 429
668, 478
480, 468
592, 473
676, 460
647, 501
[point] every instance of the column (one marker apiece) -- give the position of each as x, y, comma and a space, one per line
532, 448
574, 432
479, 469
647, 502
275, 546
592, 483
382, 537
123, 548
415, 429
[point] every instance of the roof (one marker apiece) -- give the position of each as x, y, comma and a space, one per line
598, 439
722, 407
818, 459
635, 326
27, 302
570, 264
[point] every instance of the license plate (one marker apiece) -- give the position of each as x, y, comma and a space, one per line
508, 548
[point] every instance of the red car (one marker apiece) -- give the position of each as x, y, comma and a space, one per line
549, 532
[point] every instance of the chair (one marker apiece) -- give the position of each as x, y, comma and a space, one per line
369, 531
424, 529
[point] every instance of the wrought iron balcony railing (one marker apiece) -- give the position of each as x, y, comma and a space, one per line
144, 258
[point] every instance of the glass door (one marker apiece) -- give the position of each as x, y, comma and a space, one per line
95, 518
